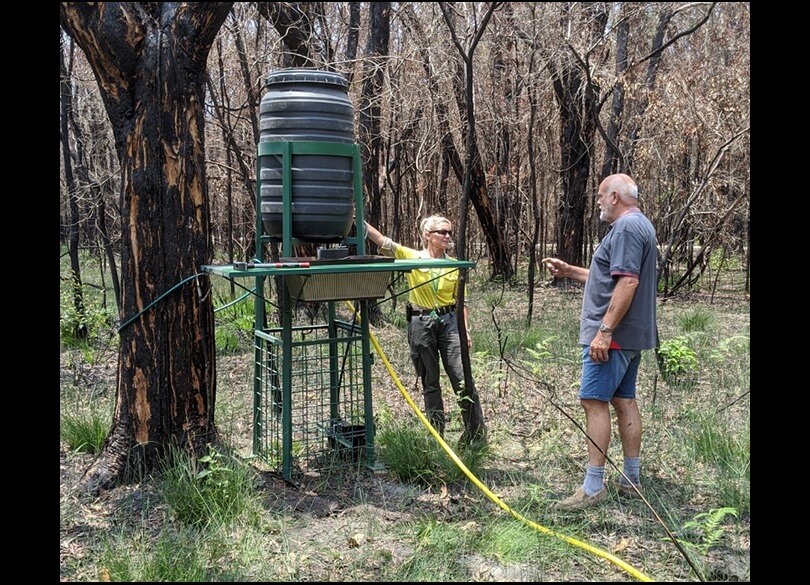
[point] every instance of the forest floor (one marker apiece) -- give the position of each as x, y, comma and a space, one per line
351, 526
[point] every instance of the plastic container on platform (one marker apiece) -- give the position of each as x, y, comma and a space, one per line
311, 106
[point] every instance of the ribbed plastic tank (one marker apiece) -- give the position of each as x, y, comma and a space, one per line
307, 105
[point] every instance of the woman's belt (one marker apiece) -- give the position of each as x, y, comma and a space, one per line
438, 310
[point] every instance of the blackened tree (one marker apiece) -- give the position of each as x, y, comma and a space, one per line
149, 60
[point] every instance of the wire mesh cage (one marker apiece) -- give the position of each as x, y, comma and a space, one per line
311, 412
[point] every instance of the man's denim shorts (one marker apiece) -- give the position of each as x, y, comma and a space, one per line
615, 378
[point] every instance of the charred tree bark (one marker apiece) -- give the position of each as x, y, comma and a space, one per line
575, 94
149, 60
379, 30
369, 110
576, 139
353, 39
294, 25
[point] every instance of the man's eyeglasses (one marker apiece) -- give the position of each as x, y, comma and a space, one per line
442, 232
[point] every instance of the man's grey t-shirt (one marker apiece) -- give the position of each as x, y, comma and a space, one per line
629, 248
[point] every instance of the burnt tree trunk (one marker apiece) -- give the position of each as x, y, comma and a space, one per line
476, 188
149, 60
370, 110
576, 96
374, 60
293, 22
574, 173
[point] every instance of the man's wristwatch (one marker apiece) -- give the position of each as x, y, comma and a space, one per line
605, 329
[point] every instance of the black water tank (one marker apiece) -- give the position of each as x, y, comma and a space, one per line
308, 105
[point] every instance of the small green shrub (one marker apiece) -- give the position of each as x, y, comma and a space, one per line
227, 341
398, 319
541, 356
413, 455
472, 456
678, 360
528, 338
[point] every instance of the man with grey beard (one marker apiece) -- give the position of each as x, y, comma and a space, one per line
618, 321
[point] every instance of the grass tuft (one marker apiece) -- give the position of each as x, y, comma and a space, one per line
214, 489
84, 432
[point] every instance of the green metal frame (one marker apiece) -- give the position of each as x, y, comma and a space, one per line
287, 149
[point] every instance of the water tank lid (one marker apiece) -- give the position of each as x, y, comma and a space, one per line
299, 75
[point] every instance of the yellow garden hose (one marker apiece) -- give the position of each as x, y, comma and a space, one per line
499, 502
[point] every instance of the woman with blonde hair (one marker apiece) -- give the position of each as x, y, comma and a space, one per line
433, 326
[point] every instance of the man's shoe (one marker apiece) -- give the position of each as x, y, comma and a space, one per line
579, 500
625, 488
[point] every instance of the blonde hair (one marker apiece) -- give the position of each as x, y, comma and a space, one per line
431, 223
